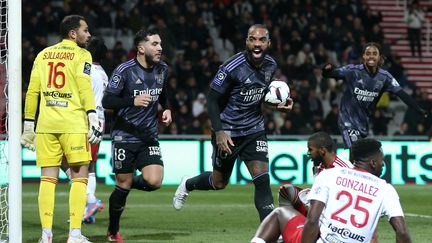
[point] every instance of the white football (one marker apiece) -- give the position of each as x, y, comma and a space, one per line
278, 93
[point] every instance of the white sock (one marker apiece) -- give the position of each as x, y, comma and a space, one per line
257, 240
91, 188
46, 233
75, 232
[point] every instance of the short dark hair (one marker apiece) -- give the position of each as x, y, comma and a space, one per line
363, 149
97, 49
322, 139
142, 35
69, 23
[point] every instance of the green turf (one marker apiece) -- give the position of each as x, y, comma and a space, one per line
217, 216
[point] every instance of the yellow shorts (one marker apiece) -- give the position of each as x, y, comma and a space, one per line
50, 148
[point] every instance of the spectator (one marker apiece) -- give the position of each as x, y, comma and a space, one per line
331, 120
403, 130
195, 128
121, 22
199, 105
287, 128
379, 123
414, 17
292, 24
377, 35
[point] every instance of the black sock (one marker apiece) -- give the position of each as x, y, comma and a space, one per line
117, 202
263, 195
200, 182
139, 183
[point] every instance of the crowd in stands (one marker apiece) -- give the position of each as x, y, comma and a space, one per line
305, 35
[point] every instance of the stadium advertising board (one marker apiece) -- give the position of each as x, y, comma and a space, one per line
407, 162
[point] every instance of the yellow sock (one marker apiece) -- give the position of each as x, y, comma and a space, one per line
77, 202
46, 200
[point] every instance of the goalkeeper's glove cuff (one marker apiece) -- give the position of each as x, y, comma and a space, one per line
28, 135
29, 125
95, 130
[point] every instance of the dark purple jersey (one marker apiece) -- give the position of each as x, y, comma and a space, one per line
243, 87
362, 92
130, 79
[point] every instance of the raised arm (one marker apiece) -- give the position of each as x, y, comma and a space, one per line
330, 71
407, 99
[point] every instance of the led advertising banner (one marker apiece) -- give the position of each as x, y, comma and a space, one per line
406, 162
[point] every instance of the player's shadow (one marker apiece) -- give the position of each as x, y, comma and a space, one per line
162, 236
158, 236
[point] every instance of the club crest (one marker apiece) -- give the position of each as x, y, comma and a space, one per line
159, 78
267, 76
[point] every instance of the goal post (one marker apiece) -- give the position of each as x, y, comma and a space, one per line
14, 112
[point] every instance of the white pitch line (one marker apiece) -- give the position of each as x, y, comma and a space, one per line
160, 205
107, 194
418, 215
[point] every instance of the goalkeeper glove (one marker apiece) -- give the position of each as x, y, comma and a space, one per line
95, 131
28, 135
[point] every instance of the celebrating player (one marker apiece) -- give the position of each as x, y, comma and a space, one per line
133, 92
67, 122
234, 101
346, 204
365, 83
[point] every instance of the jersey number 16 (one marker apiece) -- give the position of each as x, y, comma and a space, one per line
56, 76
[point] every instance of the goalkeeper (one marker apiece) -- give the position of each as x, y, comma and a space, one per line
67, 122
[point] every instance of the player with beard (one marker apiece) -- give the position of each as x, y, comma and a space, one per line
234, 105
321, 150
346, 204
67, 122
364, 85
134, 91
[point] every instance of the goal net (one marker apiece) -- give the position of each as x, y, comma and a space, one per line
3, 124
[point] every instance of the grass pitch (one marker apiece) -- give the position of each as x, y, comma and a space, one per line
216, 216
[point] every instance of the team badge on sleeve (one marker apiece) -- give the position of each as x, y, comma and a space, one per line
87, 68
395, 82
115, 80
219, 78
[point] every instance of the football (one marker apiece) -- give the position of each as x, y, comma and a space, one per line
278, 92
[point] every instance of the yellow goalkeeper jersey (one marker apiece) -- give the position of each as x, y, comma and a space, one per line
61, 78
